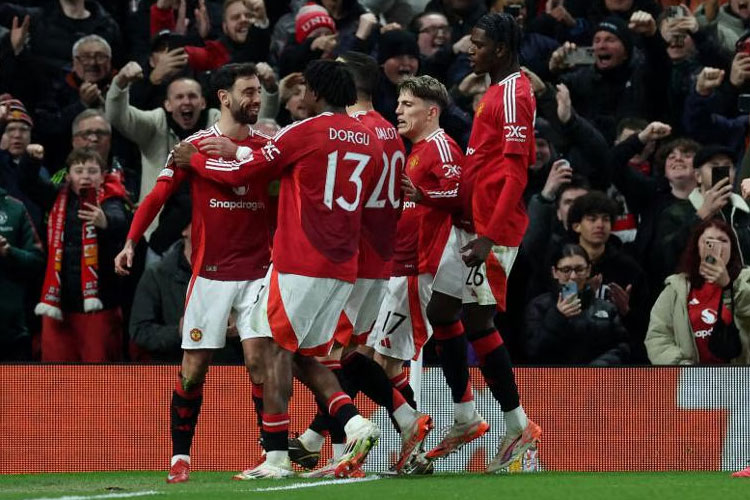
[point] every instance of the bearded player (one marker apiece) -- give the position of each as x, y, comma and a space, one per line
231, 255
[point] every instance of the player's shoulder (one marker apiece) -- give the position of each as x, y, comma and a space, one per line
305, 126
211, 131
444, 146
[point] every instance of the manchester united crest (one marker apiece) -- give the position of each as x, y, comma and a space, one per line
413, 161
196, 335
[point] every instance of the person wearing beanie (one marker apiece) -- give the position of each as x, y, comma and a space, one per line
315, 37
15, 146
622, 81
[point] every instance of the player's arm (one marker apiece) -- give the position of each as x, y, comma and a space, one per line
234, 167
167, 183
443, 189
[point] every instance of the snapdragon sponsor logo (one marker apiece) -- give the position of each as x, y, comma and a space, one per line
237, 205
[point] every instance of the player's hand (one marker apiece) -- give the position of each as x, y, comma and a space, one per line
410, 190
569, 307
714, 199
643, 23
654, 131
4, 247
35, 151
708, 80
124, 259
93, 214
222, 147
560, 173
129, 73
557, 60
620, 297
182, 152
476, 251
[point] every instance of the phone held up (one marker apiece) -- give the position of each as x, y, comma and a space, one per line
712, 248
719, 173
580, 56
569, 290
87, 195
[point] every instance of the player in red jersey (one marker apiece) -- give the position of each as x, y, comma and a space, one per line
357, 371
231, 239
328, 166
501, 148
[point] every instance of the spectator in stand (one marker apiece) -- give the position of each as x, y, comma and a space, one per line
647, 196
713, 198
291, 97
347, 15
536, 48
315, 37
570, 325
391, 11
462, 16
398, 56
706, 114
80, 298
730, 22
563, 20
689, 49
156, 318
21, 261
14, 155
156, 131
44, 40
622, 81
91, 129
81, 89
437, 53
576, 138
703, 314
621, 279
548, 227
245, 34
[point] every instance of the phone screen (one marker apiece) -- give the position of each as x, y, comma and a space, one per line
719, 173
580, 56
88, 195
569, 289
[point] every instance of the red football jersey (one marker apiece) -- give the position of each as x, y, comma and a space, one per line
230, 233
327, 166
501, 148
434, 167
381, 210
405, 255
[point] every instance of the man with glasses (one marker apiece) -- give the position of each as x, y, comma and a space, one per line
81, 89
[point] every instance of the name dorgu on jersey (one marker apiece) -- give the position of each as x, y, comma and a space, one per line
362, 138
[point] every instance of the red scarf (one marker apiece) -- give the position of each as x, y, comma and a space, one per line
50, 301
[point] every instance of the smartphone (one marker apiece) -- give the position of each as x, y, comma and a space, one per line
719, 173
675, 12
743, 103
580, 56
713, 253
87, 195
569, 290
742, 46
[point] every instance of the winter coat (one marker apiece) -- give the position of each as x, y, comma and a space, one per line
729, 27
670, 339
19, 269
594, 337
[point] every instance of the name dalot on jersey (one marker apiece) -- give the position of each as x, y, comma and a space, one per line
362, 138
386, 134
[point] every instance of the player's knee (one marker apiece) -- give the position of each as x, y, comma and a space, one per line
255, 366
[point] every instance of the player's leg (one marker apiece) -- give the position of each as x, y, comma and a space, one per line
254, 353
187, 398
494, 360
204, 325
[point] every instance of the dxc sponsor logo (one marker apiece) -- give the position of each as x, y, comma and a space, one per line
515, 133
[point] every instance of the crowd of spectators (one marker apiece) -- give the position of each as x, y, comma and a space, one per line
636, 199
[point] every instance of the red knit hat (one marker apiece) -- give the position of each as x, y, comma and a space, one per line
310, 17
16, 110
